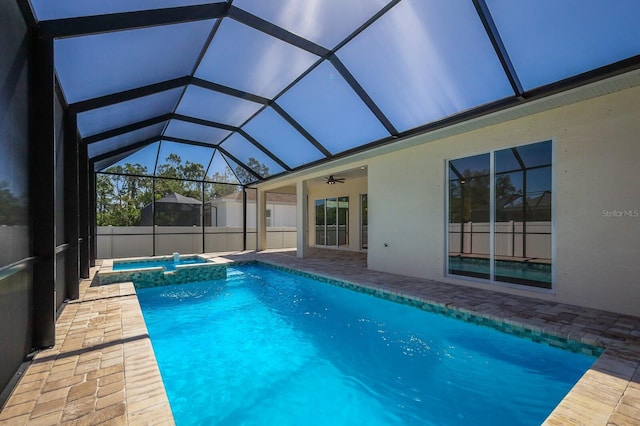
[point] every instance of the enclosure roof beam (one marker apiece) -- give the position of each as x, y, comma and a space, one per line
126, 129
498, 46
86, 25
125, 149
127, 95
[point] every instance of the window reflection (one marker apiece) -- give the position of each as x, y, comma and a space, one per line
469, 216
522, 229
521, 222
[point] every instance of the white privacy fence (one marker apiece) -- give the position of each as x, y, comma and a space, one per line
134, 241
509, 239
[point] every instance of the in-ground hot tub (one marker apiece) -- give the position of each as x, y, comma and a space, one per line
168, 263
161, 270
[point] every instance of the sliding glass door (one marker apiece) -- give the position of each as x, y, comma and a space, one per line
332, 222
500, 215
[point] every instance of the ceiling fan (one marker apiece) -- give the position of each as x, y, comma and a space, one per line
331, 180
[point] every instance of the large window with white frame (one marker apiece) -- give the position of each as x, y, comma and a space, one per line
500, 216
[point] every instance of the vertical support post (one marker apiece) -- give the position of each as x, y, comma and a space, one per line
524, 212
261, 212
42, 189
83, 201
153, 215
302, 219
462, 222
202, 221
71, 207
93, 240
244, 218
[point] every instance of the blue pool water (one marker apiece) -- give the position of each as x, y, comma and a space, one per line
168, 264
265, 347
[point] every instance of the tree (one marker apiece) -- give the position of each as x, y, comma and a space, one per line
470, 201
222, 184
12, 208
259, 168
177, 172
121, 194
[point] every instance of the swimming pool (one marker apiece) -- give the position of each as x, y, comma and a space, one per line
166, 262
269, 347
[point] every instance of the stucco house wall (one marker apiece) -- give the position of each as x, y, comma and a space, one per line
595, 174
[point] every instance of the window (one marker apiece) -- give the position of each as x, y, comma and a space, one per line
332, 221
500, 215
268, 217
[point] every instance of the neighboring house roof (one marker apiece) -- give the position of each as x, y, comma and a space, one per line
176, 198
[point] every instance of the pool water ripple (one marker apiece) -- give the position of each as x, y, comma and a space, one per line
268, 347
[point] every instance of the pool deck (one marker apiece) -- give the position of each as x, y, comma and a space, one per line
102, 369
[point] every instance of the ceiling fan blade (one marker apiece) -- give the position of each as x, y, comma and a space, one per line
331, 180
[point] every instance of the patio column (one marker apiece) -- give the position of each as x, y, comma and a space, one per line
42, 176
71, 206
84, 209
302, 219
261, 211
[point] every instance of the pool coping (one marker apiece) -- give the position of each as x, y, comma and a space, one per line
608, 393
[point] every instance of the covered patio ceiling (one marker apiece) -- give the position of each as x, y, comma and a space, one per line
249, 90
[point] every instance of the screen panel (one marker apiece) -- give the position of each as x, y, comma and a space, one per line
60, 9
214, 106
195, 132
275, 134
124, 140
140, 162
183, 161
15, 133
238, 146
326, 106
263, 66
325, 22
550, 40
113, 116
104, 164
426, 60
125, 60
220, 171
243, 176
